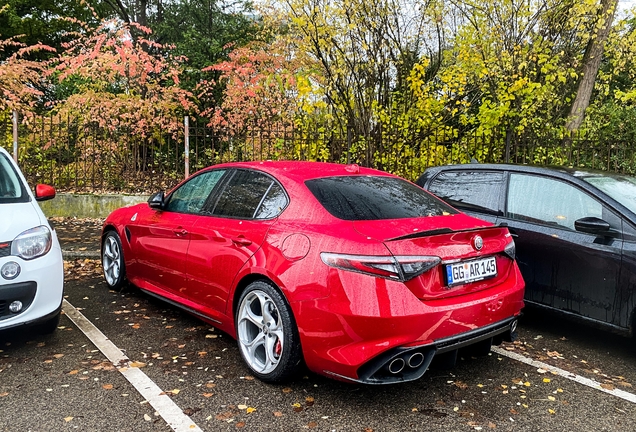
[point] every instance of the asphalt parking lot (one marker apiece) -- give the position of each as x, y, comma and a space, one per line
190, 376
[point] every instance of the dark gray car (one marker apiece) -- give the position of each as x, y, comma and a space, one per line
575, 232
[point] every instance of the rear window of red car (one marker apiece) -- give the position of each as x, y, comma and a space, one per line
375, 198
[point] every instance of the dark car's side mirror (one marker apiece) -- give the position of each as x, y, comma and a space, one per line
592, 225
44, 192
157, 201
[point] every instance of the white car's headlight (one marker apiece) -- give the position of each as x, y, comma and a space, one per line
32, 243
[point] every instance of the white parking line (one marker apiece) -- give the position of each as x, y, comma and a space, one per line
565, 374
159, 400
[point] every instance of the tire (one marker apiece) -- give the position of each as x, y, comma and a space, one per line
49, 326
113, 261
266, 333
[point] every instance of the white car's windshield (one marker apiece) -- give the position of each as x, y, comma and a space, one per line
11, 188
621, 188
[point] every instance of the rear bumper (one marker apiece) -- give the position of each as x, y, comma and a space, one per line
354, 333
413, 362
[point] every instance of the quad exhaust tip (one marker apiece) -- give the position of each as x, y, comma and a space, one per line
513, 326
396, 365
416, 360
412, 361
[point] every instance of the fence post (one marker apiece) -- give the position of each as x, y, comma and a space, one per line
15, 135
186, 123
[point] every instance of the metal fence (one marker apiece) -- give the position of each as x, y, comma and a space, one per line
74, 156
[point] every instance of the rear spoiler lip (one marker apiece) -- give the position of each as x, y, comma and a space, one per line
439, 231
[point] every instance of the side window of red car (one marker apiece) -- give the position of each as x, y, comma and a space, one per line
250, 195
549, 201
191, 195
273, 203
473, 191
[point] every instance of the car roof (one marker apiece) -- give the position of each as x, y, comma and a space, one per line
557, 171
300, 171
569, 174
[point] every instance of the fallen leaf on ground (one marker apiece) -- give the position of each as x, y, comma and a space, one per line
191, 411
224, 415
68, 419
250, 410
107, 386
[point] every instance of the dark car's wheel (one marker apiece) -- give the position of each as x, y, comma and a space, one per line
113, 261
266, 333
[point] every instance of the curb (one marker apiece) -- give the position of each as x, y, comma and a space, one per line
71, 254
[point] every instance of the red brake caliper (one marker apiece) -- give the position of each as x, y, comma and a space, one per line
278, 348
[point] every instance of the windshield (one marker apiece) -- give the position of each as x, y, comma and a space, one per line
621, 188
375, 198
11, 188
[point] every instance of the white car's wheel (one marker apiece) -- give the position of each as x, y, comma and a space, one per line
113, 261
266, 333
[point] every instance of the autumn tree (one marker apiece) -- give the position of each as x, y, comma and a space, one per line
365, 51
21, 76
596, 38
121, 80
267, 92
33, 22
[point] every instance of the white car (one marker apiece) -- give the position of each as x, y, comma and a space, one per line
31, 265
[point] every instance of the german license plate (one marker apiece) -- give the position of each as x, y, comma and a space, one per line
470, 271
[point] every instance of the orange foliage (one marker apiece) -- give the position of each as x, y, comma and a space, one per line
126, 80
260, 90
19, 76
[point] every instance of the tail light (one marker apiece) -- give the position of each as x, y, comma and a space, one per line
399, 268
511, 250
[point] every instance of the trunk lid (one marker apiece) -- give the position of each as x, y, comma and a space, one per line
452, 238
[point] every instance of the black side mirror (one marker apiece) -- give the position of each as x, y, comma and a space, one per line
157, 201
592, 225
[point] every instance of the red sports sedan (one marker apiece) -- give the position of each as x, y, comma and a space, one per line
360, 274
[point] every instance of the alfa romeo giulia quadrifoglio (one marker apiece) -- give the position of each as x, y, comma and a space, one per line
358, 274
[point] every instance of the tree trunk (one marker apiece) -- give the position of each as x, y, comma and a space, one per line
142, 12
591, 64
